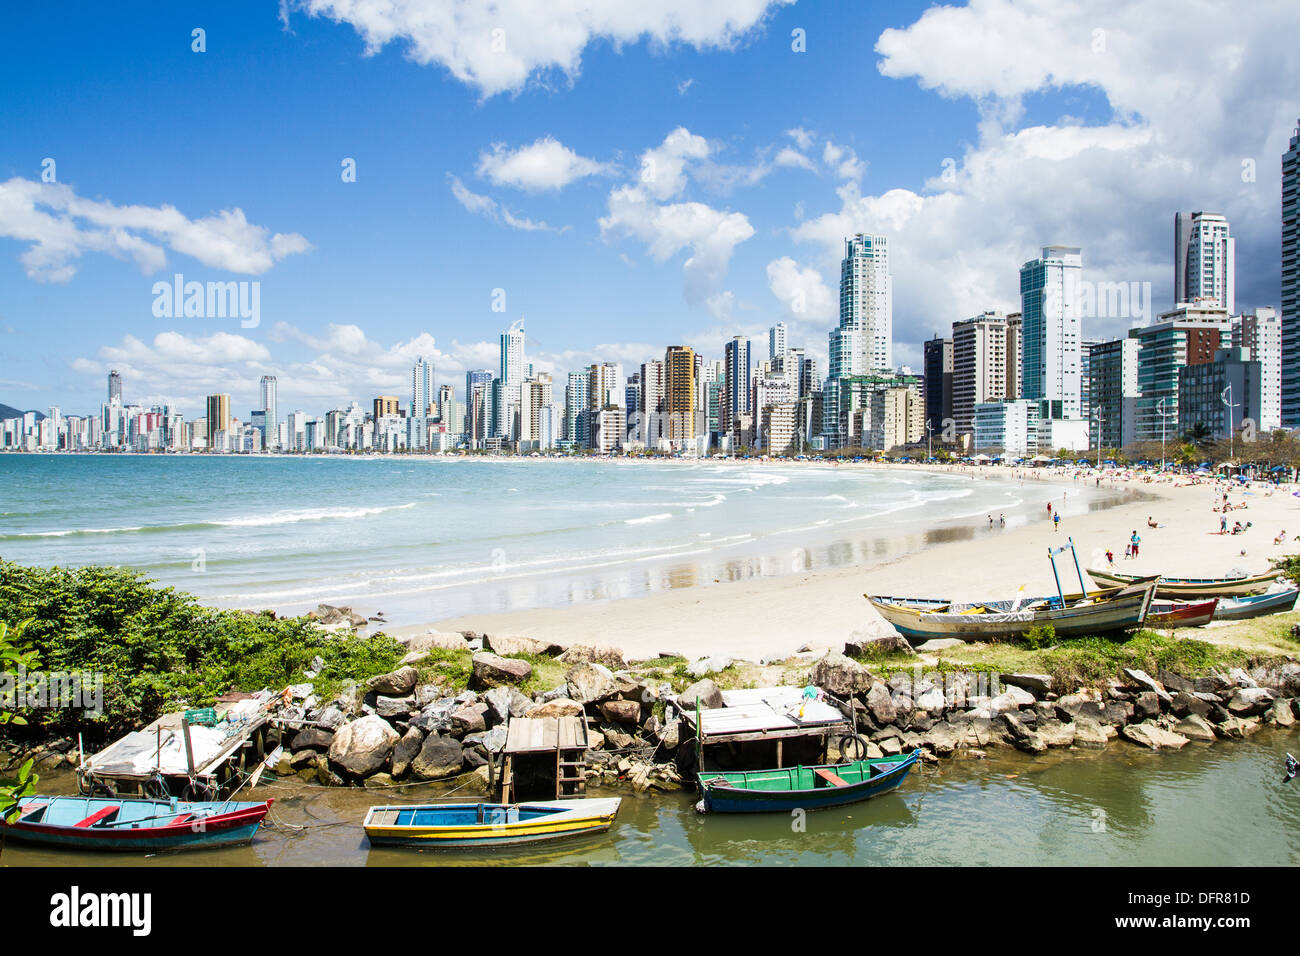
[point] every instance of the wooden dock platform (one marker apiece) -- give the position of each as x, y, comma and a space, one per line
765, 714
531, 738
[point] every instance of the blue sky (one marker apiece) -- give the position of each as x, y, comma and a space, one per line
1050, 140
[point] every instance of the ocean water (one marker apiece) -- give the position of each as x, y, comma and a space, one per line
425, 539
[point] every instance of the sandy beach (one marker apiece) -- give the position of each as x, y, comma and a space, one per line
773, 616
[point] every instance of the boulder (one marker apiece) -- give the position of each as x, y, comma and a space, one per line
560, 707
435, 640
611, 657
1024, 738
494, 741
1036, 684
1186, 703
439, 757
1281, 713
1055, 733
1283, 678
378, 780
621, 711
880, 705
705, 691
840, 676
331, 717
1250, 701
1173, 682
399, 683
1144, 680
1152, 735
1195, 727
312, 738
505, 702
507, 645
1213, 683
1236, 728
491, 670
1012, 699
708, 665
1088, 734
1146, 705
406, 750
938, 644
878, 644
931, 700
943, 738
390, 707
1241, 679
363, 746
469, 718
589, 682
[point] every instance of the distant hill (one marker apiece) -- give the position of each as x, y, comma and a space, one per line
8, 411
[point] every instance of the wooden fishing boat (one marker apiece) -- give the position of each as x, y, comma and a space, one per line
461, 825
1273, 602
806, 788
1071, 615
1191, 589
1181, 613
120, 823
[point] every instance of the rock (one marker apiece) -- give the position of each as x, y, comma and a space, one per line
621, 711
1175, 683
1055, 733
840, 676
399, 683
507, 645
1195, 727
1152, 735
390, 707
938, 644
611, 657
471, 759
1088, 734
705, 691
671, 735
378, 780
561, 707
312, 738
439, 757
708, 665
1186, 703
303, 758
1213, 683
363, 746
1284, 678
325, 775
890, 746
435, 640
943, 738
1024, 738
494, 741
589, 682
1250, 701
880, 705
1281, 713
1147, 682
878, 644
1036, 684
931, 700
505, 702
1241, 679
406, 750
1236, 728
491, 670
469, 718
1146, 705
332, 717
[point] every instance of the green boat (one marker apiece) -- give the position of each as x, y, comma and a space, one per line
807, 788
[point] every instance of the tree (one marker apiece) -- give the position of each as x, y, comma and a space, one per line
12, 656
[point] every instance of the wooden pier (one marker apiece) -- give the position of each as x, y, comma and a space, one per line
778, 715
532, 740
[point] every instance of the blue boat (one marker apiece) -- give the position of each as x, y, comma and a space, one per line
1256, 605
121, 823
802, 788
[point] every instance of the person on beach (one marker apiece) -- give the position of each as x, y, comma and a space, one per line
990, 521
1128, 551
1223, 524
1056, 521
1049, 509
1110, 557
1136, 542
1002, 521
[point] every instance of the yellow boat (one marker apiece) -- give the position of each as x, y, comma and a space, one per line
460, 825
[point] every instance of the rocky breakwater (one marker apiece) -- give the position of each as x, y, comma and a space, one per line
399, 728
948, 713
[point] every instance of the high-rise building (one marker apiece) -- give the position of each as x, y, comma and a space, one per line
680, 392
1260, 334
115, 387
270, 410
1188, 334
1219, 394
1015, 353
866, 306
575, 408
1291, 283
218, 417
979, 366
936, 369
387, 405
776, 340
736, 374
897, 418
1204, 259
1049, 304
1113, 393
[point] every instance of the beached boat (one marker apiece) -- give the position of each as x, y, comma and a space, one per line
461, 825
1071, 615
806, 788
1190, 589
119, 823
1272, 602
1181, 613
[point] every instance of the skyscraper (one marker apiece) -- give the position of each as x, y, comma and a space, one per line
114, 387
979, 366
1204, 259
737, 369
937, 369
679, 392
1050, 361
776, 341
421, 388
866, 307
270, 410
1291, 283
1260, 334
218, 416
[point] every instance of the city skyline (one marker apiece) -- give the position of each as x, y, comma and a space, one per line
967, 167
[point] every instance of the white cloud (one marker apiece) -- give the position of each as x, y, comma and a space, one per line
710, 235
546, 164
801, 136
801, 290
685, 85
792, 157
60, 225
499, 45
843, 161
488, 207
662, 173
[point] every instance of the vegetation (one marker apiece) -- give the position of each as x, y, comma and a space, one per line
13, 656
157, 649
